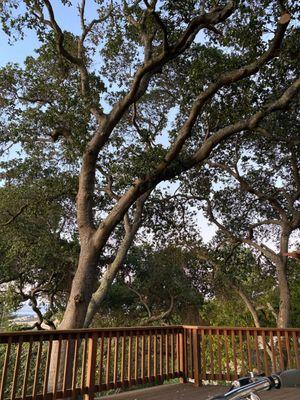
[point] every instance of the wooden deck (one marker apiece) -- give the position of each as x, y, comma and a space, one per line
190, 392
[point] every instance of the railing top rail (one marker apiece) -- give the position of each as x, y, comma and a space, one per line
64, 334
242, 328
121, 331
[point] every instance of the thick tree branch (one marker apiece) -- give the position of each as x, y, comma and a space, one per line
77, 61
131, 229
142, 185
138, 88
249, 305
155, 65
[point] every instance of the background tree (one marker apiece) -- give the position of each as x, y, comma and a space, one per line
38, 243
156, 286
252, 184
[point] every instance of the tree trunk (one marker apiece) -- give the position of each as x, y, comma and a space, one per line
281, 271
82, 287
284, 296
250, 306
257, 324
80, 296
190, 315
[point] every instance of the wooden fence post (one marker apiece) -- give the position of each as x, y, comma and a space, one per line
197, 358
91, 367
182, 360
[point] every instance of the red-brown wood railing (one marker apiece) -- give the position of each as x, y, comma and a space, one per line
61, 364
226, 353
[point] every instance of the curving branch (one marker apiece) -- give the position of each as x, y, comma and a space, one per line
152, 317
164, 171
131, 228
15, 216
246, 186
265, 250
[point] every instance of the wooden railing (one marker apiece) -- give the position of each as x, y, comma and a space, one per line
226, 353
64, 364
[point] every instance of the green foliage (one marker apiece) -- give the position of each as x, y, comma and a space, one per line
149, 283
47, 123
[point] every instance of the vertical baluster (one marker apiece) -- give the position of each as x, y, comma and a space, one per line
149, 357
167, 354
212, 372
234, 354
263, 336
219, 354
143, 359
181, 354
27, 368
242, 352
101, 366
136, 359
185, 355
37, 368
248, 341
75, 366
172, 353
129, 358
196, 357
56, 372
295, 343
91, 366
281, 357
66, 366
203, 353
116, 351
274, 361
107, 377
192, 353
47, 367
155, 355
83, 365
123, 357
177, 352
161, 356
227, 355
16, 368
288, 349
258, 363
5, 367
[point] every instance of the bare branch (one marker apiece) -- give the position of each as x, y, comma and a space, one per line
161, 316
15, 215
142, 299
246, 186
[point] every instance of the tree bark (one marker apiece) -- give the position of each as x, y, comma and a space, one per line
250, 306
82, 287
80, 296
281, 271
116, 265
108, 278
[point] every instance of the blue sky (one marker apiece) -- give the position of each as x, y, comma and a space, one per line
67, 18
